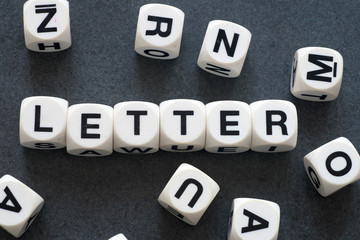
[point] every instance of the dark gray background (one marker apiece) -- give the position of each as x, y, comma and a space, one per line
96, 198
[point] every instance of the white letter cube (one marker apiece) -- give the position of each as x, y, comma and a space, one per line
316, 74
229, 127
159, 31
118, 237
90, 130
254, 219
182, 125
136, 127
19, 205
275, 126
188, 193
224, 48
43, 122
47, 25
333, 166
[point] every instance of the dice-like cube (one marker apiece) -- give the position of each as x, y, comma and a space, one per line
316, 74
136, 127
182, 125
90, 130
19, 205
224, 48
47, 25
253, 219
275, 126
228, 127
188, 193
159, 31
43, 122
333, 166
118, 237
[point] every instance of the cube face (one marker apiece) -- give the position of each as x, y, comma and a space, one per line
182, 125
90, 130
43, 122
316, 74
136, 127
118, 237
333, 166
188, 194
253, 219
159, 31
47, 25
228, 128
19, 205
275, 126
224, 48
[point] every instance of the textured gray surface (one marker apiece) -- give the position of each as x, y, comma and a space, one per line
96, 198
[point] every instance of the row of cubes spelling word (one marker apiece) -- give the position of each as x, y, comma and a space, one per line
187, 195
141, 127
158, 35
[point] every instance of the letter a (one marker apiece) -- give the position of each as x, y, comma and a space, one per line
15, 207
251, 227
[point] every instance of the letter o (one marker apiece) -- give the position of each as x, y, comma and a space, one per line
153, 53
342, 172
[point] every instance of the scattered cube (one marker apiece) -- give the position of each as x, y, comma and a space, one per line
90, 130
19, 205
224, 48
47, 25
228, 127
333, 166
43, 122
182, 125
136, 127
316, 74
159, 31
253, 219
118, 237
188, 193
275, 126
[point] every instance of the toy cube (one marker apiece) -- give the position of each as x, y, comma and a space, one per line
188, 193
19, 205
159, 31
224, 48
43, 122
136, 127
275, 126
333, 166
47, 25
254, 219
228, 127
316, 74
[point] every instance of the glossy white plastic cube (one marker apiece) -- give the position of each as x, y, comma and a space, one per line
188, 193
136, 127
43, 122
275, 126
90, 130
254, 219
182, 125
333, 166
228, 127
47, 25
19, 205
316, 74
118, 237
159, 31
224, 48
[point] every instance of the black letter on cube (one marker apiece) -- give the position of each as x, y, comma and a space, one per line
85, 125
51, 11
343, 171
15, 206
197, 194
251, 227
314, 177
230, 50
183, 115
55, 46
157, 30
136, 115
218, 69
225, 123
37, 127
270, 122
316, 59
